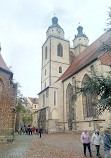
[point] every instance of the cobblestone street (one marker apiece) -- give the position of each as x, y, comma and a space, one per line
49, 146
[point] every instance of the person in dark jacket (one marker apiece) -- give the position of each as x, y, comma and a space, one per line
107, 143
40, 131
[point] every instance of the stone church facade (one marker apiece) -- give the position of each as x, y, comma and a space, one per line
7, 102
62, 67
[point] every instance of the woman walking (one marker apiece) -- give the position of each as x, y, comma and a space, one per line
85, 139
96, 140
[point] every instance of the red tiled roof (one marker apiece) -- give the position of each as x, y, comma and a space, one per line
34, 100
106, 58
87, 56
3, 65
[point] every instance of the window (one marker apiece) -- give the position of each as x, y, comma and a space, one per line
47, 93
92, 68
60, 69
43, 100
45, 72
59, 50
54, 97
46, 52
89, 110
35, 106
45, 85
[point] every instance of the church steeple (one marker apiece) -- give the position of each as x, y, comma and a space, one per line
55, 29
80, 41
80, 32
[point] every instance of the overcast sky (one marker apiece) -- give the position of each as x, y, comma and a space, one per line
23, 26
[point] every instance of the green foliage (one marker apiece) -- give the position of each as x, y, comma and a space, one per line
27, 117
105, 47
109, 21
100, 87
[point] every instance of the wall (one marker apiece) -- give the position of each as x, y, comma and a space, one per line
7, 102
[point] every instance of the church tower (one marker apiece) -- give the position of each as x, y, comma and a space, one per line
55, 54
80, 41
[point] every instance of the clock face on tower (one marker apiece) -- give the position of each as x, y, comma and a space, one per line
59, 30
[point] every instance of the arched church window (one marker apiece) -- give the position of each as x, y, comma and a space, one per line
87, 99
46, 52
60, 50
60, 69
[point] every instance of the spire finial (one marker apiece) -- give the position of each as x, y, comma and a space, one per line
54, 14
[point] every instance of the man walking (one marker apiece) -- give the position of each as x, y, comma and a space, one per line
40, 131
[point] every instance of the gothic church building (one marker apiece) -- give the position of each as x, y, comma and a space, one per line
62, 67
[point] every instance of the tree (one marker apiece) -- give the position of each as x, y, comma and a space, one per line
100, 87
109, 21
23, 115
26, 117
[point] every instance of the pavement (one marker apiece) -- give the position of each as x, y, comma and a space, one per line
16, 149
58, 145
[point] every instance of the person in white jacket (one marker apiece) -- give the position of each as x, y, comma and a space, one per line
96, 140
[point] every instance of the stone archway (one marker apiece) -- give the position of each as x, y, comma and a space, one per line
69, 106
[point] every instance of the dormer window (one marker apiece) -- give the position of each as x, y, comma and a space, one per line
60, 50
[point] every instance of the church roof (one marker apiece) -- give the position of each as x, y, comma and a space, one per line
90, 54
106, 58
3, 65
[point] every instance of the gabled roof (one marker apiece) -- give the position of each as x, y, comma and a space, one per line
34, 100
90, 54
3, 65
106, 58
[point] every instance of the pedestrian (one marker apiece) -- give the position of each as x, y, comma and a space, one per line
29, 130
107, 143
40, 131
96, 140
85, 139
21, 131
33, 129
37, 131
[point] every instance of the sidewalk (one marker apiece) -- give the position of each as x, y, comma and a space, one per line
59, 145
17, 148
